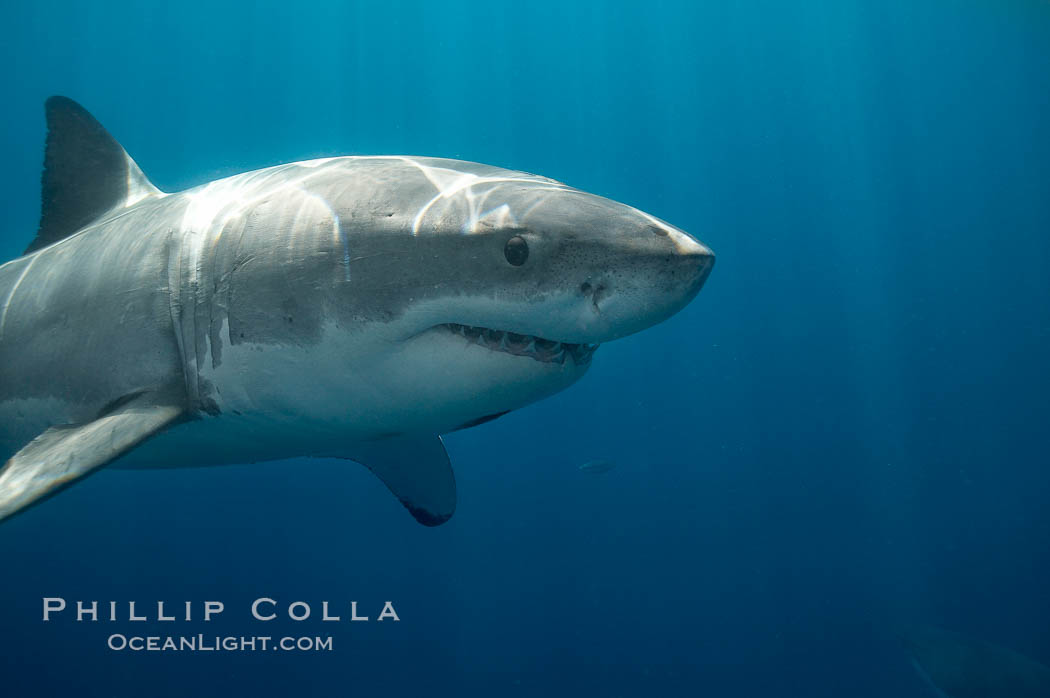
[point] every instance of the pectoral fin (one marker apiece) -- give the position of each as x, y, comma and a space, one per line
64, 454
416, 469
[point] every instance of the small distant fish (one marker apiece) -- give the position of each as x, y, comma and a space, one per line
597, 466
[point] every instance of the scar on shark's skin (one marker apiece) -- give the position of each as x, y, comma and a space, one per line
344, 307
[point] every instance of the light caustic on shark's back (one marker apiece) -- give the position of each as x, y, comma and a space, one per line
349, 307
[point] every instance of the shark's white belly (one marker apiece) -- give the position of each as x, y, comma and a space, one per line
352, 387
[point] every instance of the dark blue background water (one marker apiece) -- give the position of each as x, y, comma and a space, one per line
848, 425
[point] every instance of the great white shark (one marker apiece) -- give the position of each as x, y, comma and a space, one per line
957, 666
350, 307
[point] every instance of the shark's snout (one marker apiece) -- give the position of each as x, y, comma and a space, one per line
643, 287
693, 266
681, 273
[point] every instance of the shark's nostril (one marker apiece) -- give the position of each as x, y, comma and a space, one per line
600, 292
595, 292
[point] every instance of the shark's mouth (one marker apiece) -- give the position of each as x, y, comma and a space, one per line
537, 348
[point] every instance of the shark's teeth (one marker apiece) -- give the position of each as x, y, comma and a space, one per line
543, 350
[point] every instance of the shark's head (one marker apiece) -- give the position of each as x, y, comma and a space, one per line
384, 295
496, 289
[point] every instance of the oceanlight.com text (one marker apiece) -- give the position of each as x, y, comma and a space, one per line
216, 643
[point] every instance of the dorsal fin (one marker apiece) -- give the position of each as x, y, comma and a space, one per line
86, 173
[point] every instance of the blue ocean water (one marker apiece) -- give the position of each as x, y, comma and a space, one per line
847, 426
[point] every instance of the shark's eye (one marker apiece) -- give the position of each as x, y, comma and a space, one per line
516, 251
